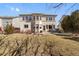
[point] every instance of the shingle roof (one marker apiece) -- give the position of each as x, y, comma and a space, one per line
41, 14
7, 17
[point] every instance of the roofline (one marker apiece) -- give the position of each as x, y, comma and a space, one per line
11, 17
7, 17
37, 14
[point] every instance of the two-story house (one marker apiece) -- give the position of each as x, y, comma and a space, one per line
30, 23
35, 23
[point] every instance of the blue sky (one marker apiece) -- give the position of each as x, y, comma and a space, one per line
14, 9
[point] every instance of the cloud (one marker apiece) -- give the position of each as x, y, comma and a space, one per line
12, 9
17, 9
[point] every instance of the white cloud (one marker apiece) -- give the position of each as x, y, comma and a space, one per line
12, 9
17, 9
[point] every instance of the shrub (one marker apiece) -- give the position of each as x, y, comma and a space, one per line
9, 29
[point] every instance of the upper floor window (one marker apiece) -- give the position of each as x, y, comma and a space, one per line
29, 17
33, 17
37, 17
49, 18
26, 17
46, 18
40, 17
23, 18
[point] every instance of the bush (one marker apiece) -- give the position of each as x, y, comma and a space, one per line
9, 29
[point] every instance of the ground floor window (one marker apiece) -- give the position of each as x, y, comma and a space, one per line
47, 26
50, 26
25, 26
54, 26
41, 31
37, 27
40, 27
43, 27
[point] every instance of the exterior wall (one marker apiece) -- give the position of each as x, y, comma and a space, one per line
39, 23
43, 19
16, 22
19, 23
23, 29
44, 22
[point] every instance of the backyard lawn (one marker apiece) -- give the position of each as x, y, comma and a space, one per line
40, 45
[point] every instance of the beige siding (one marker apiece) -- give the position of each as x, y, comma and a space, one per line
22, 29
16, 22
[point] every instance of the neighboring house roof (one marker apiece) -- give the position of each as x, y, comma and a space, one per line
7, 17
41, 14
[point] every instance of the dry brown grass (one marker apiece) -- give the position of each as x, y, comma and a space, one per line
32, 45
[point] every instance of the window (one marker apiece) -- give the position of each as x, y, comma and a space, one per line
34, 17
37, 17
53, 26
30, 17
26, 17
23, 18
49, 18
46, 18
43, 27
25, 26
40, 27
50, 26
37, 26
47, 26
40, 31
40, 17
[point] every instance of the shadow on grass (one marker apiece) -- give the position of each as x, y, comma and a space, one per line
68, 36
72, 38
